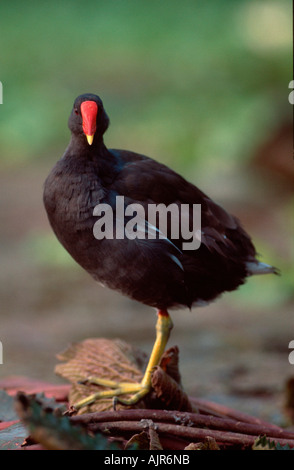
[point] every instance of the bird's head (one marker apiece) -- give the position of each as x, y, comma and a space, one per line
88, 118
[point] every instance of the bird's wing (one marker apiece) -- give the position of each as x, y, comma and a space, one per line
149, 182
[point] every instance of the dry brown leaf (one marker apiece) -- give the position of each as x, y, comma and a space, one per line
138, 441
102, 358
208, 444
169, 391
169, 362
145, 440
154, 442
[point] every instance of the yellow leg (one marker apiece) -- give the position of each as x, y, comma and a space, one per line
139, 390
163, 327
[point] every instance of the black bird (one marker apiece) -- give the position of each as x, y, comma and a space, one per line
153, 269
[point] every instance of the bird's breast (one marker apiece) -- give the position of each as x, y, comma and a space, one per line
70, 199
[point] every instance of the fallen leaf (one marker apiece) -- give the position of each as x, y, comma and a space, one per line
169, 362
209, 444
145, 440
169, 391
102, 358
138, 441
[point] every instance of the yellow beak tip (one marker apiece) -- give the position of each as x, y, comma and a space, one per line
90, 139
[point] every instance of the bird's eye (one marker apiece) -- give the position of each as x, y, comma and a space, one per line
76, 111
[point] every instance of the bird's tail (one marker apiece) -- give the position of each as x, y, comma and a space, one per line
256, 267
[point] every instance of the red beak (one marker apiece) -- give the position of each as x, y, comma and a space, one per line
89, 111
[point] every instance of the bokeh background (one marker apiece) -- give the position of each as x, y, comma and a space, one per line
200, 86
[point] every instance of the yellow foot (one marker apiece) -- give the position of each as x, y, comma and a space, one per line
138, 390
117, 388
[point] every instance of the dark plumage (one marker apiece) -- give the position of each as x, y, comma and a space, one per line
155, 272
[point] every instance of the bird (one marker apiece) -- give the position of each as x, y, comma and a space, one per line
153, 269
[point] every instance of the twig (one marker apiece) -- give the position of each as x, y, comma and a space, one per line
216, 409
185, 419
185, 432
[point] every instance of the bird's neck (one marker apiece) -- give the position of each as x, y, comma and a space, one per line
79, 145
101, 160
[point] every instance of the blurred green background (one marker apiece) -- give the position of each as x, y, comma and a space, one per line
200, 86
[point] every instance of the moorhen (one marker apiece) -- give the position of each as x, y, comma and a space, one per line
154, 270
